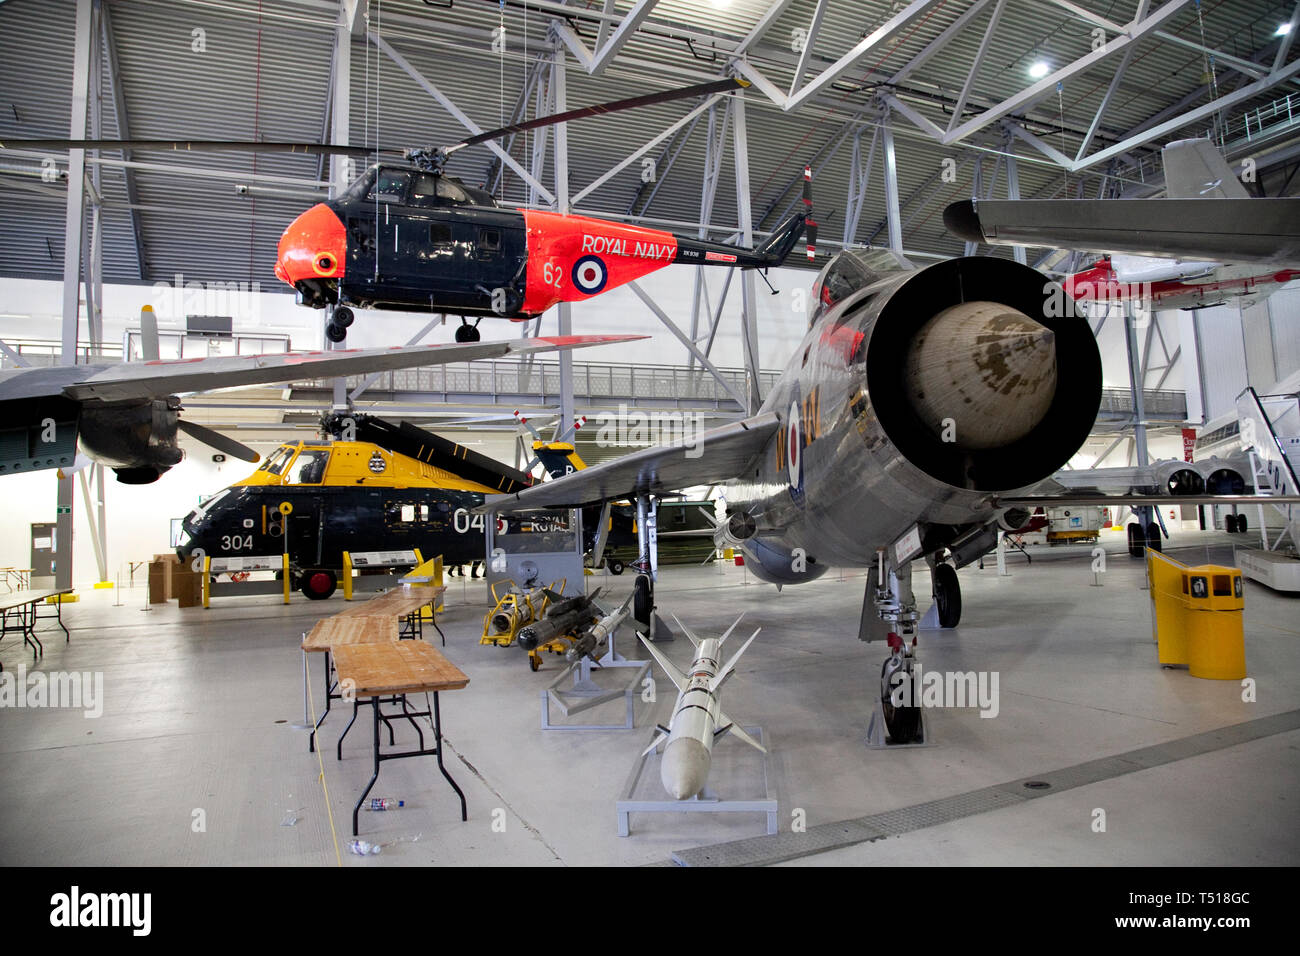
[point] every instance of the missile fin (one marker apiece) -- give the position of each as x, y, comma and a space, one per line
659, 738
723, 639
731, 664
733, 728
676, 676
693, 639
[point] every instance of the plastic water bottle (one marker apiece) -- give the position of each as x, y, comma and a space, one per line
362, 848
384, 803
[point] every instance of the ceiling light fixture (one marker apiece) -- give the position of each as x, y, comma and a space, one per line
1039, 69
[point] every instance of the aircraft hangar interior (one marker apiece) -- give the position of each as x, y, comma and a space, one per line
688, 432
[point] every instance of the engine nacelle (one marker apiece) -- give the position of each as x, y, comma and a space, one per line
137, 440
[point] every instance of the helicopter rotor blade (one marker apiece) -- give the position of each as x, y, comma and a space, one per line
218, 441
700, 89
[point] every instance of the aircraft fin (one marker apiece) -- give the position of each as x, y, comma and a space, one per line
676, 676
1194, 169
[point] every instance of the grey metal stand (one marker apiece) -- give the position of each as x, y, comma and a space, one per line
585, 693
705, 802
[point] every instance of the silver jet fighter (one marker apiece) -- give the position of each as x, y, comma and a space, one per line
697, 719
916, 418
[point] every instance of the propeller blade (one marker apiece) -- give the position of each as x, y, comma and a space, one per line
218, 441
190, 145
148, 334
700, 89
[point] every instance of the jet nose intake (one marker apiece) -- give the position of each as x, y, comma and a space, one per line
981, 374
314, 246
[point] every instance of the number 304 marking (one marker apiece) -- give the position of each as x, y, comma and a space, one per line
236, 542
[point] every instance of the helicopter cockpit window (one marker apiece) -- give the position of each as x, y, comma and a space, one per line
275, 464
390, 186
309, 468
448, 191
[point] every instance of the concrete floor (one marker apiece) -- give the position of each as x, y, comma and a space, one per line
199, 708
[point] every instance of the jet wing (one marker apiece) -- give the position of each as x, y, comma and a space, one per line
144, 380
1101, 501
719, 454
1263, 231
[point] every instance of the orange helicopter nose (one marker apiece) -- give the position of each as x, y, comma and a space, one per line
314, 246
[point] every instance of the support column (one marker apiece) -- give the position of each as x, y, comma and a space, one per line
748, 288
560, 96
1135, 377
73, 229
892, 213
341, 171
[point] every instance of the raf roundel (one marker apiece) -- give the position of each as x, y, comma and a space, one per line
590, 274
377, 463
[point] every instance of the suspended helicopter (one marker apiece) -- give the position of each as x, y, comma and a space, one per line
407, 236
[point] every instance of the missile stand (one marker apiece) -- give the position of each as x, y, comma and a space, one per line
594, 650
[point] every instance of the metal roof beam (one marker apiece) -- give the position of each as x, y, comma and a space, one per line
923, 123
460, 117
762, 26
989, 30
1285, 46
631, 21
878, 36
123, 131
641, 151
810, 41
1110, 90
1186, 119
1037, 91
939, 42
1051, 152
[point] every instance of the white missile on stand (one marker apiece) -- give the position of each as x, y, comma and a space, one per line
698, 719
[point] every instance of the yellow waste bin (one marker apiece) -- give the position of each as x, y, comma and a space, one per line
1168, 609
1216, 641
1196, 617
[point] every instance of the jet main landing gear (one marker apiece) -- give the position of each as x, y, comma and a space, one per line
890, 605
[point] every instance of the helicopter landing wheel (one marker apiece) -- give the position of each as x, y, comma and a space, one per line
343, 317
467, 332
335, 333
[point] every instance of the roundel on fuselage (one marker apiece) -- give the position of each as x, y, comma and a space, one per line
590, 274
794, 451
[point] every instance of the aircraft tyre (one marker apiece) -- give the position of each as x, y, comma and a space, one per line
1136, 539
643, 601
1153, 536
903, 723
947, 595
614, 565
1242, 527
467, 333
343, 317
318, 583
335, 333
